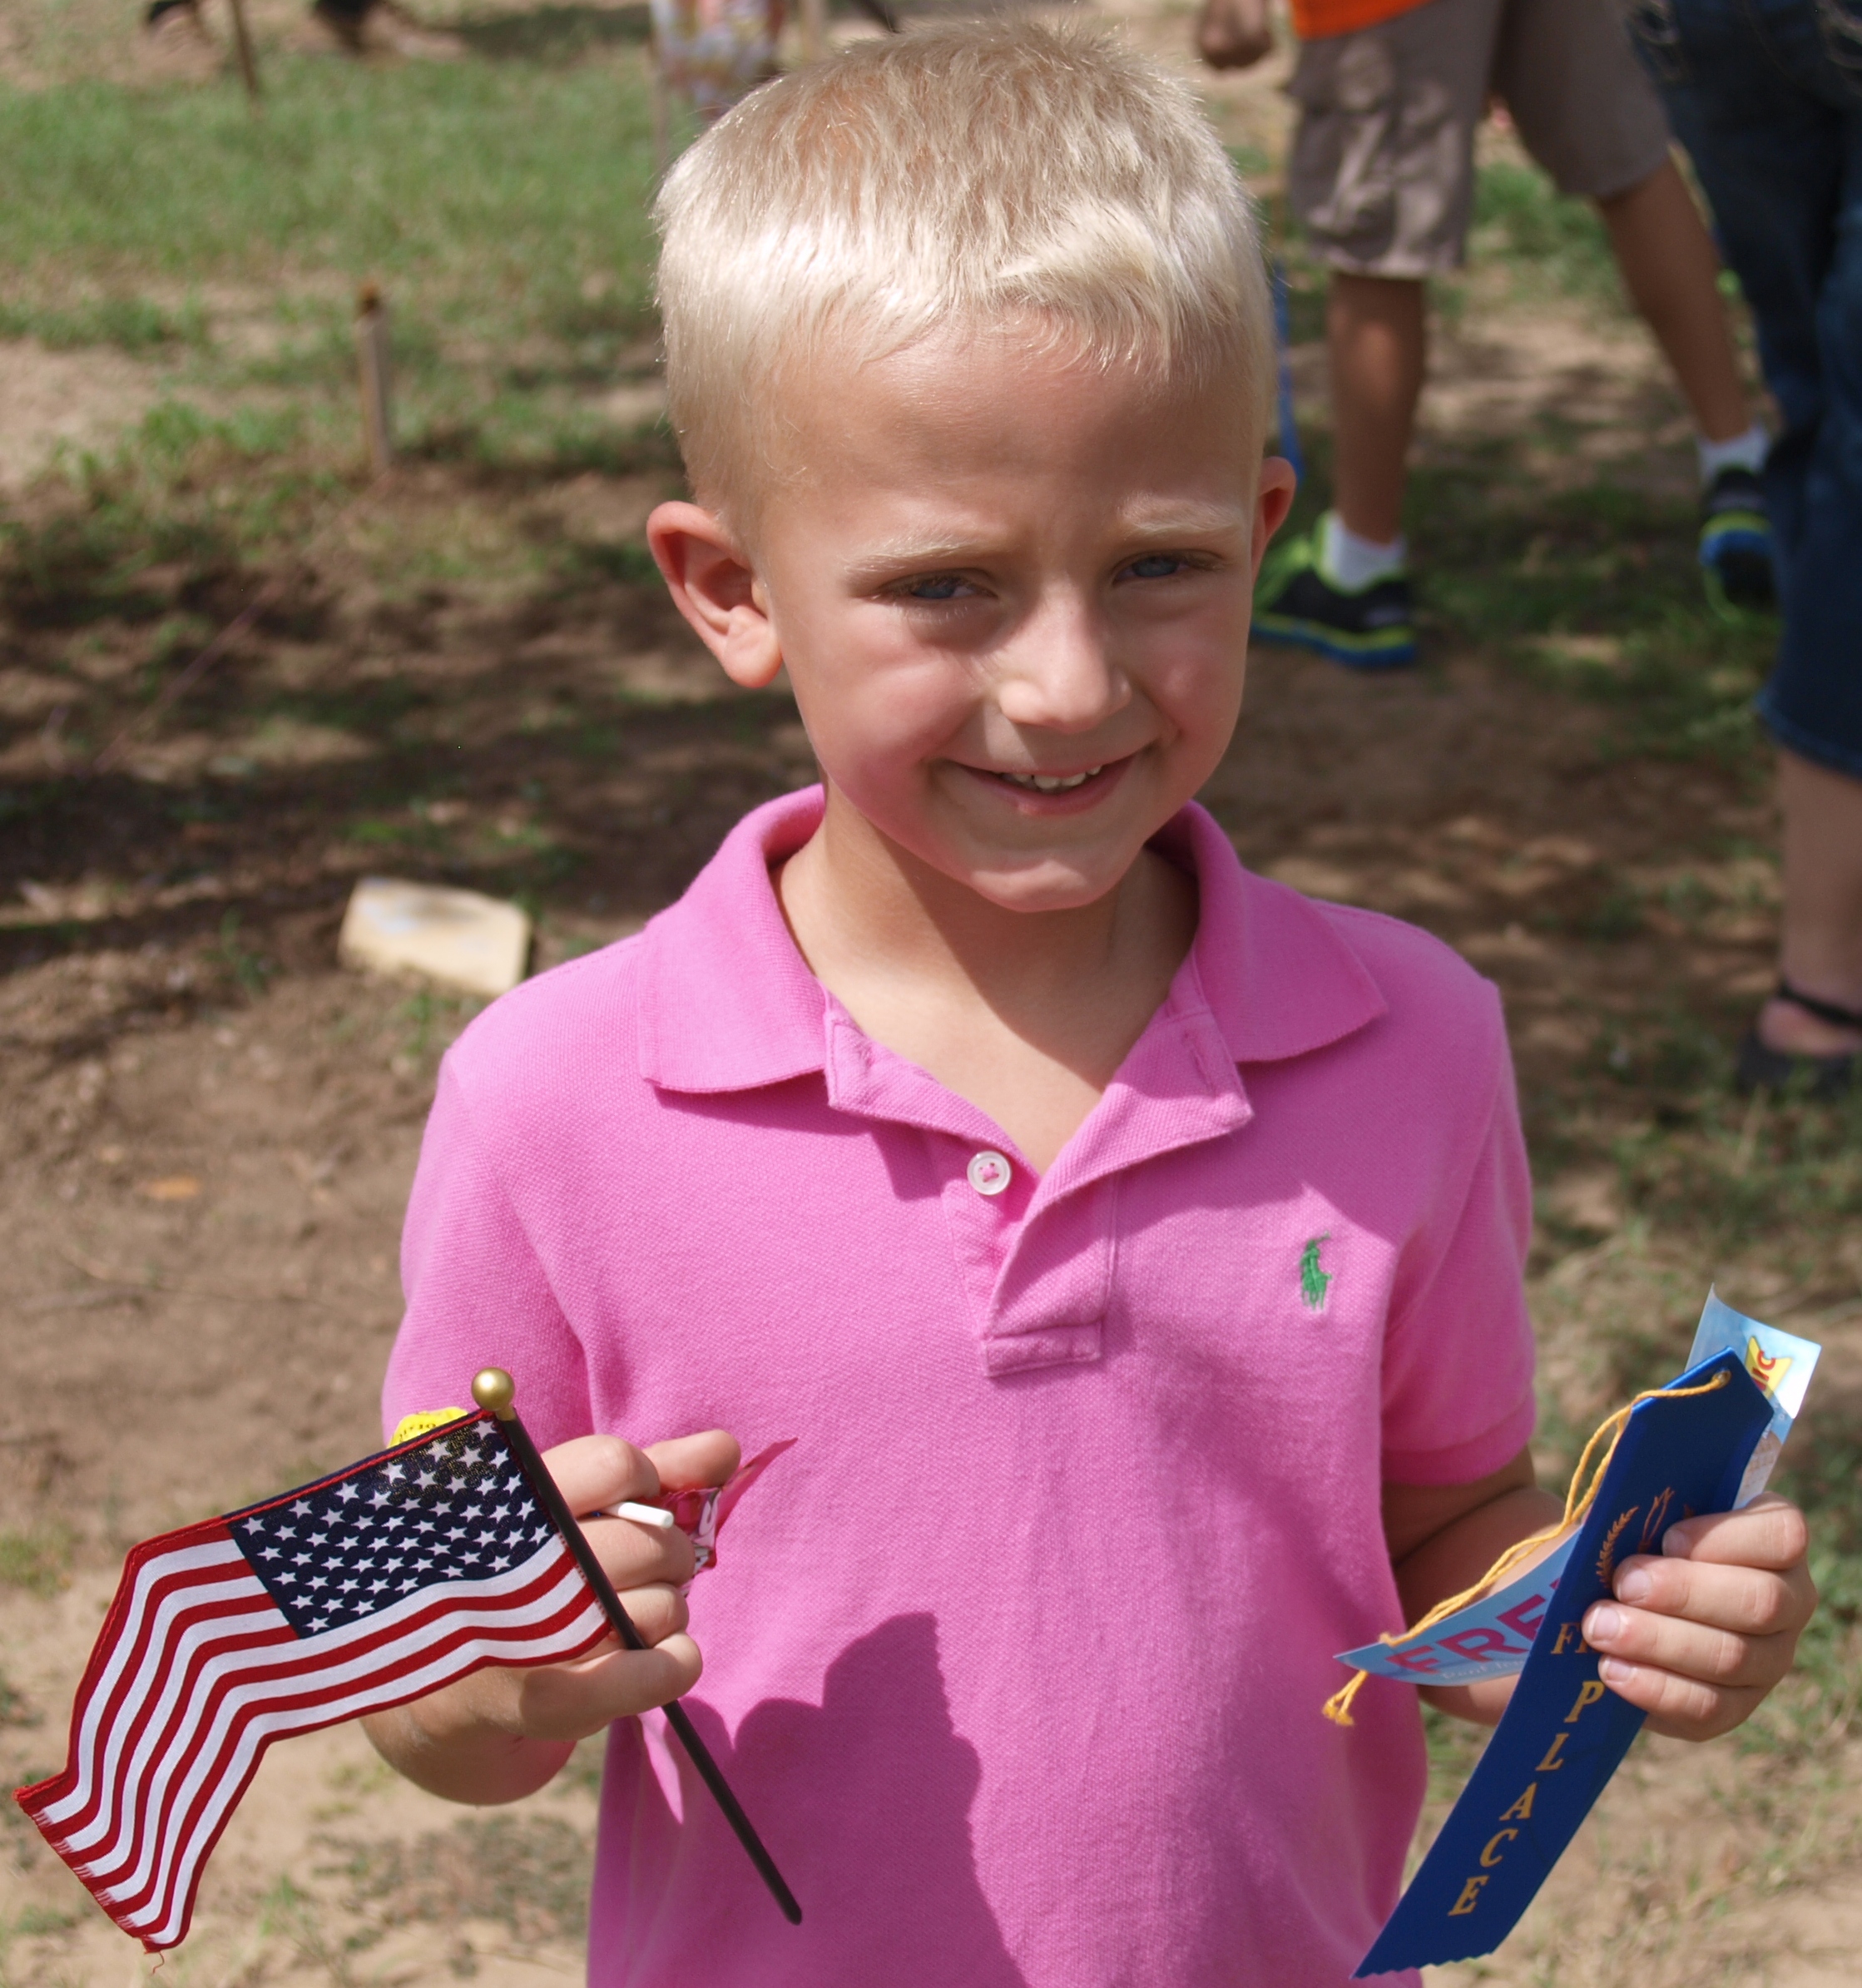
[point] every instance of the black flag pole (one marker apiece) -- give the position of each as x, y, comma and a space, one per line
494, 1391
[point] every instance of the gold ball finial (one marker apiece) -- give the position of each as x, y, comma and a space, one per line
493, 1389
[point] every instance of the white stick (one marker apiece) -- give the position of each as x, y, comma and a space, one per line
641, 1515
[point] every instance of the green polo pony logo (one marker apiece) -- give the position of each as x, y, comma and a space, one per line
1314, 1282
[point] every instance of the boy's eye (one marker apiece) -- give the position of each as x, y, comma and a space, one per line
936, 587
1158, 566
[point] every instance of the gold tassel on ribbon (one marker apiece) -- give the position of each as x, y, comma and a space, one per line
1578, 1500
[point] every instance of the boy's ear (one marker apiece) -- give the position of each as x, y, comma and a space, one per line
1273, 500
716, 591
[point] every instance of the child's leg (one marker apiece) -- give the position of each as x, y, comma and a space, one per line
1822, 952
1671, 271
1376, 340
1381, 180
1774, 125
1587, 113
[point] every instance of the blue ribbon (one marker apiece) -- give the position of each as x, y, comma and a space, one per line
1565, 1733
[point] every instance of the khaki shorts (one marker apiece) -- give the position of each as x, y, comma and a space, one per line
1381, 175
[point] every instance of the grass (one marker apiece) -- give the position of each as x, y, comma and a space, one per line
503, 205
497, 187
15, 1709
526, 1874
36, 1560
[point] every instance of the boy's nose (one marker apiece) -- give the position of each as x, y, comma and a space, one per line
1057, 673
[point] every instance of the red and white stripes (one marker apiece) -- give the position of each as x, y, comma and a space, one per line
197, 1670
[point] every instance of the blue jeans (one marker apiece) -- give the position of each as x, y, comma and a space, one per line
1766, 96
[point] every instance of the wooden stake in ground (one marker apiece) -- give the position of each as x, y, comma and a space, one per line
242, 44
814, 30
371, 346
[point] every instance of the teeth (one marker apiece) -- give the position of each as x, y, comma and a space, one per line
1051, 783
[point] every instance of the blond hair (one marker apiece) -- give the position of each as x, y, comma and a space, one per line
956, 176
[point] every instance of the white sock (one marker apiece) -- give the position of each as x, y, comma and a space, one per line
1744, 452
1353, 563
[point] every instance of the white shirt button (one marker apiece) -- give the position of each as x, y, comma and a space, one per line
989, 1173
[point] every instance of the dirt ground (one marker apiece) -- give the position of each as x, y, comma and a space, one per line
208, 1128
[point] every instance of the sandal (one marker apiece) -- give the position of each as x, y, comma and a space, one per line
1761, 1065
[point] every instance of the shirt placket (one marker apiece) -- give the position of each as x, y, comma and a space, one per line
1037, 1280
1036, 1258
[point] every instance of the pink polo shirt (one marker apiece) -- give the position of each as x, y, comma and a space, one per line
1017, 1657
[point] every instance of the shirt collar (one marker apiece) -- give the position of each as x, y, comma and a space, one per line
727, 1003
1277, 976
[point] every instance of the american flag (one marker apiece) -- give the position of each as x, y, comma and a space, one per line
359, 1592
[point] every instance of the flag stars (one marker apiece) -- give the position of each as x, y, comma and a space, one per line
454, 1511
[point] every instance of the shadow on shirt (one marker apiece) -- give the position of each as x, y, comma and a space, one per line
865, 1804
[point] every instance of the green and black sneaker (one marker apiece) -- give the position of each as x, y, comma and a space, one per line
1735, 545
1371, 628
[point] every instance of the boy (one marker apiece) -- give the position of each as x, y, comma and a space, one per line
1133, 1245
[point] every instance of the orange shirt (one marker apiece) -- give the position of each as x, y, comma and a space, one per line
1313, 19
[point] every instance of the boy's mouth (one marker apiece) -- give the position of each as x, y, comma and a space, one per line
1055, 793
1050, 783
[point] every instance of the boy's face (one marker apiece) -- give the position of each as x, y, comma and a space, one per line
1012, 591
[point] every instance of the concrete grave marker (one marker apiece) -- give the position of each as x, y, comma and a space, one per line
456, 938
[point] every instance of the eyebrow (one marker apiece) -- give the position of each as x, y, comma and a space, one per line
1146, 527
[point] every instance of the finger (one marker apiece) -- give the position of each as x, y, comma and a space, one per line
695, 1462
657, 1611
596, 1471
1711, 1657
637, 1556
1769, 1532
1749, 1601
570, 1701
1680, 1708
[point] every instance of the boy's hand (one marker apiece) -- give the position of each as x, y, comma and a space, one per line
501, 1733
1699, 1636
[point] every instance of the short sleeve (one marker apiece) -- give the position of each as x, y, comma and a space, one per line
1459, 1356
476, 1293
